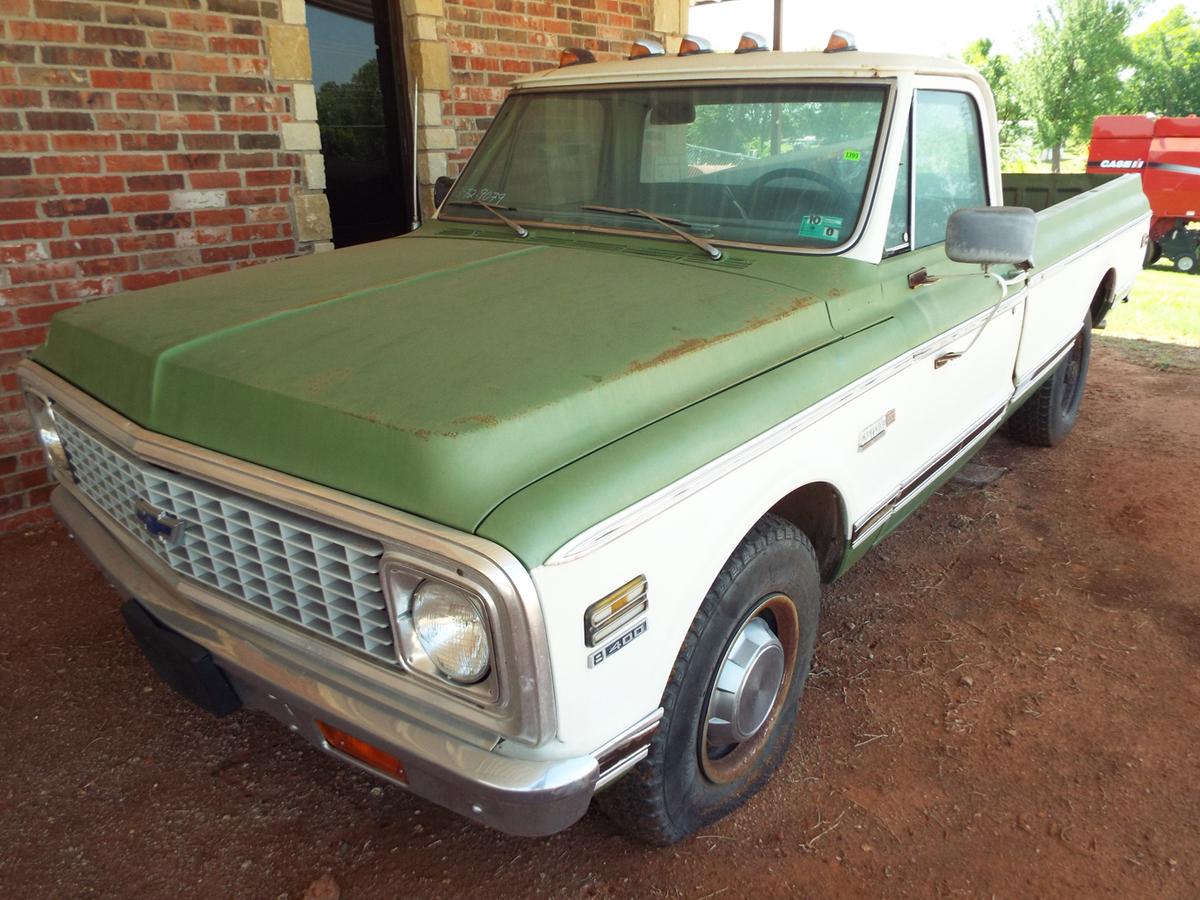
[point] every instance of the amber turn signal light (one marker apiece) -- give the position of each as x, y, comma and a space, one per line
365, 753
840, 41
691, 45
751, 43
646, 48
573, 56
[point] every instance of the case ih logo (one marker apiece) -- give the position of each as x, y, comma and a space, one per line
1122, 163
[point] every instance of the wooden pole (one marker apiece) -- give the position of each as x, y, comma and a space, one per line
777, 43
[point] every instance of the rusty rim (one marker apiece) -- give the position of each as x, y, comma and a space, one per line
749, 689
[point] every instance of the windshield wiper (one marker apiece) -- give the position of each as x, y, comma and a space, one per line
520, 229
664, 221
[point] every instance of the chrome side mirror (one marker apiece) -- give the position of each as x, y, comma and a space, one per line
992, 235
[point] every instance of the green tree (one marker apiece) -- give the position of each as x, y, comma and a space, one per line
999, 71
1071, 73
350, 114
1166, 67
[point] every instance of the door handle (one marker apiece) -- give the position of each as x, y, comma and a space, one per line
920, 278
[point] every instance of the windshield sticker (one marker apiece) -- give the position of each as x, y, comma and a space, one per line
821, 228
484, 195
852, 155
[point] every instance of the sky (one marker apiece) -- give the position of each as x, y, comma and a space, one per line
340, 44
931, 27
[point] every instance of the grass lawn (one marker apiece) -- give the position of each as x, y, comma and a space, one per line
1164, 306
1162, 317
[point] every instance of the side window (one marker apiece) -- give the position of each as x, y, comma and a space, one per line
897, 232
947, 162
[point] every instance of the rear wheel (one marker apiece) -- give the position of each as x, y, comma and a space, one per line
1048, 415
1186, 263
731, 702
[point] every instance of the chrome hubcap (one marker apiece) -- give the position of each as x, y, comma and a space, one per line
748, 681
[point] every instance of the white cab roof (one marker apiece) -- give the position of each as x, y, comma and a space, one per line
763, 64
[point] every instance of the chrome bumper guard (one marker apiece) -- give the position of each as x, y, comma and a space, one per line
517, 796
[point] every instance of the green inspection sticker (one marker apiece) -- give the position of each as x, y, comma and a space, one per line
821, 228
852, 155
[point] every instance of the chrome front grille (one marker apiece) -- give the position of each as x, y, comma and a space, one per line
321, 578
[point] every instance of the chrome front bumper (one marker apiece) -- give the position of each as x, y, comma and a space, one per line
463, 773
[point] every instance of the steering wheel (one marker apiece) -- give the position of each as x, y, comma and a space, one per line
795, 172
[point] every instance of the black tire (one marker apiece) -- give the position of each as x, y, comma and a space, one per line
685, 784
1186, 263
1153, 254
1048, 415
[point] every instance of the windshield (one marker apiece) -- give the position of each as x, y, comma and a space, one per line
783, 165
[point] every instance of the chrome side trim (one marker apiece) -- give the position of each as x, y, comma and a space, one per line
1038, 371
870, 523
621, 767
525, 712
626, 750
643, 728
1039, 276
642, 511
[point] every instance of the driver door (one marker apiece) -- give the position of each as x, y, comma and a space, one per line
942, 304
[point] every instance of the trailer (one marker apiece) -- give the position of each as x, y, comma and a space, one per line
1166, 153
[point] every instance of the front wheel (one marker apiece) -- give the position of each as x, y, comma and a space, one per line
731, 702
1048, 415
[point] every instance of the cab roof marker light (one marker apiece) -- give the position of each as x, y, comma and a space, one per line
574, 56
751, 43
691, 45
840, 41
646, 48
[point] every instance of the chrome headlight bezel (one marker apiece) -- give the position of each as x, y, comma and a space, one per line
401, 580
45, 426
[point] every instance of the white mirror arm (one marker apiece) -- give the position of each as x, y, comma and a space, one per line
1005, 285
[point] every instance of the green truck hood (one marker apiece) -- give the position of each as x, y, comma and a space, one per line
432, 373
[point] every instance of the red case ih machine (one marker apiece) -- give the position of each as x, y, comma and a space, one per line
1166, 152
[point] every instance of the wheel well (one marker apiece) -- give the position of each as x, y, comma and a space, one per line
1102, 300
817, 510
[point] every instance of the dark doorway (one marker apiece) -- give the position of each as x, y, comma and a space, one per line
363, 115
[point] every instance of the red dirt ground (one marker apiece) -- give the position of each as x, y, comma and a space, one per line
1004, 703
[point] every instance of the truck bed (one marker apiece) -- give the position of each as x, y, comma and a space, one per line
1040, 190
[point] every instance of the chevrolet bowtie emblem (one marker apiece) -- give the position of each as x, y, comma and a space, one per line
161, 525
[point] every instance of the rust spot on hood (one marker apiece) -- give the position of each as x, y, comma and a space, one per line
487, 421
683, 348
317, 384
691, 345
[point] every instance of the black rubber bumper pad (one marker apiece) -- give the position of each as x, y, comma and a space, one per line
183, 664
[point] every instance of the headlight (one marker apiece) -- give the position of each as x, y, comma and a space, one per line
47, 432
451, 629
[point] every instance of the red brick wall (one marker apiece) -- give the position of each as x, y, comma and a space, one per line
139, 144
493, 42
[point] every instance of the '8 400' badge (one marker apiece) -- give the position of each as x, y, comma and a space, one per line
600, 654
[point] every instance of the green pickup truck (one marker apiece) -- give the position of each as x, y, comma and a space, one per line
535, 504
